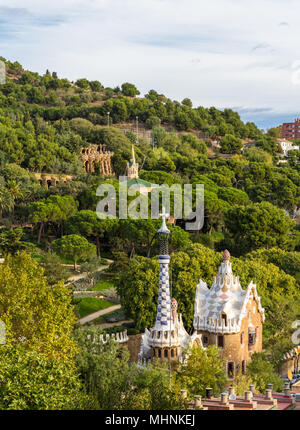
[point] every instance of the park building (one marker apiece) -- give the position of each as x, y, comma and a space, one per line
97, 154
225, 315
133, 181
132, 166
229, 317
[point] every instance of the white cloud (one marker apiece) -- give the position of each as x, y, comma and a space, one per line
223, 52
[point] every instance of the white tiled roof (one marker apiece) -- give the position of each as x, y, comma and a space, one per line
225, 296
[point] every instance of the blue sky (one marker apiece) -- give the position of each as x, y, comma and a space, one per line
224, 53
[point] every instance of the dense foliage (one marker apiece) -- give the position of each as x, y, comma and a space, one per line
251, 203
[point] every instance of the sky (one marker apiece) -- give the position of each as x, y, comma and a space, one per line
239, 54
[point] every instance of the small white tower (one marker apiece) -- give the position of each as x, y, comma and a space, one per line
132, 167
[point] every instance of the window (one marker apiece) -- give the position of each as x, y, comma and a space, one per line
221, 341
159, 353
242, 338
166, 353
172, 352
243, 367
205, 340
224, 319
251, 338
230, 369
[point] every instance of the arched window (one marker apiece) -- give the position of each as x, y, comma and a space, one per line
251, 337
159, 353
166, 353
172, 352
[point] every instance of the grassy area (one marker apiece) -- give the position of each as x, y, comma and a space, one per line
103, 285
88, 305
118, 315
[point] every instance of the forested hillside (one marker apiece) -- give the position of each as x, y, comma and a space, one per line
251, 200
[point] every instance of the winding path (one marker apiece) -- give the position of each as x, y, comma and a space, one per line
97, 314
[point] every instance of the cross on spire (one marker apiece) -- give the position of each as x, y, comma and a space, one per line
164, 215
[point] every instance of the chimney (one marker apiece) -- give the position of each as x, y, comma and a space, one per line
224, 398
231, 391
252, 388
197, 402
248, 396
287, 392
208, 393
268, 394
270, 387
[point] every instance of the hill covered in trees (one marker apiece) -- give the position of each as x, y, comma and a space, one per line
251, 204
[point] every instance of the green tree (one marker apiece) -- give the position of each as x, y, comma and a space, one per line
83, 83
231, 144
10, 241
153, 389
187, 102
114, 384
6, 200
39, 214
262, 373
129, 90
74, 247
87, 223
259, 225
32, 381
96, 86
203, 368
43, 317
138, 289
103, 367
53, 269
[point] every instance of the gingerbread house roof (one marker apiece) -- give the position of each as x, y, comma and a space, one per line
225, 298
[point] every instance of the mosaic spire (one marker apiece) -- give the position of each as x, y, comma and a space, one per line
163, 317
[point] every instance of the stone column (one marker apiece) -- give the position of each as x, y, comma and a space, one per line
252, 388
224, 398
270, 387
268, 394
231, 391
248, 396
197, 402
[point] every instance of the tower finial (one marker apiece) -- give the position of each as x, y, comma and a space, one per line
163, 228
226, 255
133, 154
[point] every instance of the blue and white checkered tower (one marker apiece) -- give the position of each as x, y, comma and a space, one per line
163, 316
168, 337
